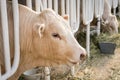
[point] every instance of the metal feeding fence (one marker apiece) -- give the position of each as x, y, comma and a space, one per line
69, 7
114, 5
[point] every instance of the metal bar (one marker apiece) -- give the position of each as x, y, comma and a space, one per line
73, 15
73, 24
29, 3
78, 13
47, 73
16, 35
44, 3
16, 42
62, 7
67, 7
41, 6
0, 65
56, 6
37, 5
73, 70
4, 21
88, 39
114, 11
0, 71
50, 4
98, 26
119, 8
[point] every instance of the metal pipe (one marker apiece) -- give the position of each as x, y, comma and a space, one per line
45, 4
67, 7
73, 24
16, 42
78, 14
0, 65
47, 73
50, 4
37, 5
88, 39
114, 11
73, 15
62, 7
56, 6
73, 70
98, 26
29, 3
16, 35
0, 71
119, 8
4, 21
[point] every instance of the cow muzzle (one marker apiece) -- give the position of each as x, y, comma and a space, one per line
83, 56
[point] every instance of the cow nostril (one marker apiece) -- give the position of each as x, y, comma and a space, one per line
82, 56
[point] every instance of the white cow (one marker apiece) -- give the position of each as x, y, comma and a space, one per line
45, 40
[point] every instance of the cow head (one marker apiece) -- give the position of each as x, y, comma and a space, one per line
111, 24
54, 42
114, 24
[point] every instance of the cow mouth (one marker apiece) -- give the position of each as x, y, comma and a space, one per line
76, 62
72, 62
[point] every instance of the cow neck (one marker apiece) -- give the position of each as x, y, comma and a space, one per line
26, 23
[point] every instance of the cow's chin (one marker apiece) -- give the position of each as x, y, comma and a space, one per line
75, 63
72, 62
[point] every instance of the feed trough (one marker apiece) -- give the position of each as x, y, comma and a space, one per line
107, 47
31, 75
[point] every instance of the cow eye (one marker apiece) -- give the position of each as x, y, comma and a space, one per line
56, 35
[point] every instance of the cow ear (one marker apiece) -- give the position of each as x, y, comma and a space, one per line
66, 17
39, 29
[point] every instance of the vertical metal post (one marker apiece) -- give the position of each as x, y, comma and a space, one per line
73, 24
4, 21
50, 4
88, 39
119, 11
62, 7
44, 3
37, 5
16, 36
67, 7
11, 71
119, 8
0, 71
114, 11
0, 65
78, 14
98, 26
56, 6
29, 3
73, 15
47, 73
72, 70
